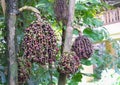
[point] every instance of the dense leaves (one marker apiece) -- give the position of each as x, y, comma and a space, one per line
86, 11
100, 32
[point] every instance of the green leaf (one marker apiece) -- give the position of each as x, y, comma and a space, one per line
80, 7
88, 21
77, 77
51, 1
95, 1
40, 5
86, 62
76, 32
96, 34
88, 31
97, 22
73, 83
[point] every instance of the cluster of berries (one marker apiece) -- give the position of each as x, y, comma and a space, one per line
39, 43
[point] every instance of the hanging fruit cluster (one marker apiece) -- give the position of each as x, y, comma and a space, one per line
39, 43
69, 63
61, 9
82, 47
24, 66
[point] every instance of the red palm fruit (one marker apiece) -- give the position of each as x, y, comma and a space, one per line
83, 47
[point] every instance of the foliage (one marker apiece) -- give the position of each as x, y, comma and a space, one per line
42, 75
86, 11
117, 81
2, 44
46, 7
100, 32
75, 79
102, 59
3, 55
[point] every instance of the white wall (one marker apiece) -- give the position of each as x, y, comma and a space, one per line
113, 29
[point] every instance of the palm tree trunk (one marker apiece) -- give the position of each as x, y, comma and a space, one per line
68, 38
11, 12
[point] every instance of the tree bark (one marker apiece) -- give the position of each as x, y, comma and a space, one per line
68, 38
69, 30
11, 12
